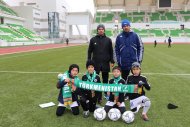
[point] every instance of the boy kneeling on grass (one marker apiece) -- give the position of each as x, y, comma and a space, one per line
116, 100
68, 91
88, 98
138, 100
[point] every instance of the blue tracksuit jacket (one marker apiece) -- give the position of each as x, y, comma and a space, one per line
128, 48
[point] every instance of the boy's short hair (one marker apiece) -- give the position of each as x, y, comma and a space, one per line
116, 68
90, 62
73, 66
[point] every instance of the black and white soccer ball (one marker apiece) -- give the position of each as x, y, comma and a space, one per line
128, 117
100, 114
114, 114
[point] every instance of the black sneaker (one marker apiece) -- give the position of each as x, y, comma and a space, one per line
99, 101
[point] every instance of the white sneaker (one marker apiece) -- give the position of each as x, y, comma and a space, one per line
138, 107
126, 98
86, 114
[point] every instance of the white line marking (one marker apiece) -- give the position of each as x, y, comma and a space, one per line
165, 74
54, 72
29, 72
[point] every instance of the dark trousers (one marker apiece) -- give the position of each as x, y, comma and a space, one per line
169, 45
60, 110
105, 76
125, 74
88, 102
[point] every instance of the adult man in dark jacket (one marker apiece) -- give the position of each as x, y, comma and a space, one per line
128, 48
101, 52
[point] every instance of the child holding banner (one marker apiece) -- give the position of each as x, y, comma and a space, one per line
116, 100
89, 98
68, 91
139, 99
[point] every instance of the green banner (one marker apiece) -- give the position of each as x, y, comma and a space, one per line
129, 88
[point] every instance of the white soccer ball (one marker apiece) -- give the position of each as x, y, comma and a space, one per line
128, 116
59, 76
114, 114
99, 114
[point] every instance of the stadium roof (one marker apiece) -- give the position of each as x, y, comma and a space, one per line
135, 4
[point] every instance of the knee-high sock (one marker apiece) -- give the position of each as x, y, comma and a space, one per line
146, 106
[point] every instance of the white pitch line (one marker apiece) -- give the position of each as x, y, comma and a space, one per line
165, 74
53, 72
29, 72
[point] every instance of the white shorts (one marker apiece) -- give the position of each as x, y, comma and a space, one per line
138, 102
74, 104
109, 103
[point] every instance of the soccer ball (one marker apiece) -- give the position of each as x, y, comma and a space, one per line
114, 114
59, 76
99, 114
128, 116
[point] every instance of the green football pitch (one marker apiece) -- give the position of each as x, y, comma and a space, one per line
29, 79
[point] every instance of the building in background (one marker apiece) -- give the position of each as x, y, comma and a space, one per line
45, 17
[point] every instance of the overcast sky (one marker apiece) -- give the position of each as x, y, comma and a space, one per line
74, 5
81, 5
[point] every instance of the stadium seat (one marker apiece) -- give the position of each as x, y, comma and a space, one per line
170, 16
7, 10
13, 32
175, 32
26, 32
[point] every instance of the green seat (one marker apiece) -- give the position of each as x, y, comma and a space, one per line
157, 32
155, 16
13, 32
166, 32
183, 12
141, 32
109, 33
138, 13
124, 16
97, 19
108, 18
187, 18
175, 32
137, 19
7, 10
170, 16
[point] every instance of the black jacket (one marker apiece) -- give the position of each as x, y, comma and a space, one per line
135, 80
88, 92
121, 95
101, 52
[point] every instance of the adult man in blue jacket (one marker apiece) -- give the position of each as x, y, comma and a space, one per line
128, 48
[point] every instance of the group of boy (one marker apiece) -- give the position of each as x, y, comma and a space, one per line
89, 98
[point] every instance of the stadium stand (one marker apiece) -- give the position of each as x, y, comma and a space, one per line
6, 9
12, 34
154, 32
142, 17
138, 17
17, 33
26, 32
